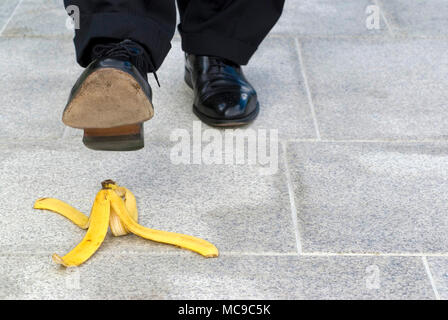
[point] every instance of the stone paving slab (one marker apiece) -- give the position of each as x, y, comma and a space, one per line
36, 80
439, 271
42, 18
148, 276
326, 18
280, 88
371, 197
417, 18
235, 207
379, 89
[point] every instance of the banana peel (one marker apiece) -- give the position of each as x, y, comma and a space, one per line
115, 207
95, 235
64, 209
200, 246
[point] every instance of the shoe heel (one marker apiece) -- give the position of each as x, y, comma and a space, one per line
187, 78
123, 138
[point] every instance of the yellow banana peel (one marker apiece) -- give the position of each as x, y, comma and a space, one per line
99, 220
116, 226
115, 207
64, 209
200, 246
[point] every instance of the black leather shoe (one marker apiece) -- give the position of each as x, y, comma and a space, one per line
222, 95
112, 98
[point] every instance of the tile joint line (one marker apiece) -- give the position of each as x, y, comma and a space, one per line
10, 18
262, 253
307, 87
431, 279
292, 200
373, 254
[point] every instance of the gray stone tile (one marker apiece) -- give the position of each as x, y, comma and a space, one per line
379, 89
307, 18
45, 18
37, 76
417, 18
6, 9
273, 71
371, 197
439, 271
146, 276
235, 207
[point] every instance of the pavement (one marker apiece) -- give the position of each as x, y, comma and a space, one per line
355, 206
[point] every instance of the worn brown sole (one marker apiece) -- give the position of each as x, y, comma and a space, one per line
108, 98
111, 107
123, 138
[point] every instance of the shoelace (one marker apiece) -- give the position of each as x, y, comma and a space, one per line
127, 50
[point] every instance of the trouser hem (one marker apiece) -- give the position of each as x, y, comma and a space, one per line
210, 44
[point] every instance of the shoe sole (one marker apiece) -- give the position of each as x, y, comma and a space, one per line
219, 122
111, 107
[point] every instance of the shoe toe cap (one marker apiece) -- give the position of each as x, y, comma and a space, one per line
230, 105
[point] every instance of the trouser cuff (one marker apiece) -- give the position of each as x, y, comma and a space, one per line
209, 44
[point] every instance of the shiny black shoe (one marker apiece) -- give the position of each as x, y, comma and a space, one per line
112, 98
222, 95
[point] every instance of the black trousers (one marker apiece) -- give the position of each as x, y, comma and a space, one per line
230, 29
